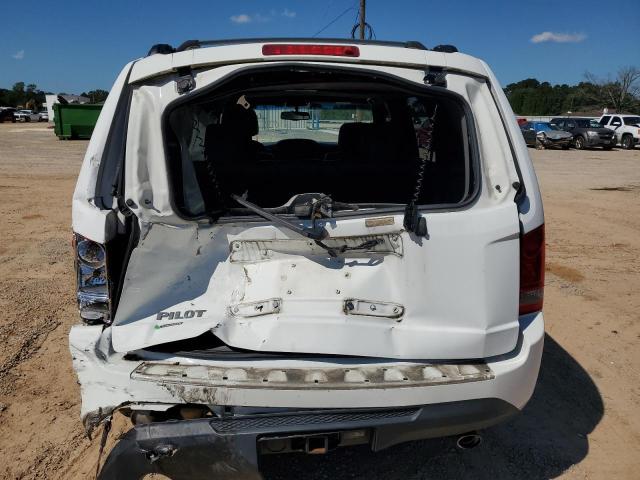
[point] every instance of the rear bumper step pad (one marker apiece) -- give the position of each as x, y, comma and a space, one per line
379, 376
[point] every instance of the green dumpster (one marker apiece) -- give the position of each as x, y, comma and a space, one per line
75, 120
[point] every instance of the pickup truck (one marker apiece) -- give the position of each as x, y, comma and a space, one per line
626, 129
299, 245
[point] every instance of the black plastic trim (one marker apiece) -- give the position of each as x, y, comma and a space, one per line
120, 119
161, 48
445, 48
192, 449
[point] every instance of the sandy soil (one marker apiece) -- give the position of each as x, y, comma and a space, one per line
581, 423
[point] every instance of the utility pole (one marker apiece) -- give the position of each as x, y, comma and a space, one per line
359, 112
362, 19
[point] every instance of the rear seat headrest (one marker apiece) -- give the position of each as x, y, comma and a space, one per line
213, 132
240, 122
376, 143
212, 136
352, 137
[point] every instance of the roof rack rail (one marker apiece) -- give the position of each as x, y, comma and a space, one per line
163, 48
445, 48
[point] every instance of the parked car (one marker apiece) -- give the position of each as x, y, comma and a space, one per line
27, 116
626, 129
545, 135
44, 116
7, 114
240, 312
587, 132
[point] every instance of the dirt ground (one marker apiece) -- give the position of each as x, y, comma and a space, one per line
582, 422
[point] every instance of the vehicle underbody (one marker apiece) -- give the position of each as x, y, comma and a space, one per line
229, 448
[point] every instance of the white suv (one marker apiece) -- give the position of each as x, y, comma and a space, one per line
626, 129
299, 245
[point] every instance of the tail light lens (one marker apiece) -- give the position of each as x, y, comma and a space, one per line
92, 280
310, 49
532, 271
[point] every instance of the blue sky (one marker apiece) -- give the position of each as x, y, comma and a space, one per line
72, 45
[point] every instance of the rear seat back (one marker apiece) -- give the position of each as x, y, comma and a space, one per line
386, 153
230, 149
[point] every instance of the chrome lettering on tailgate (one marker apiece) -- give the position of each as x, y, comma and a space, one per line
179, 315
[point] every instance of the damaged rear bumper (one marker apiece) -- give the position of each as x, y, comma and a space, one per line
394, 401
227, 448
109, 379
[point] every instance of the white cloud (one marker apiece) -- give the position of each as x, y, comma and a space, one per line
258, 17
558, 37
19, 55
242, 18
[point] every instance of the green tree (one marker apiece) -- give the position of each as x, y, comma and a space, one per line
621, 93
31, 94
5, 98
96, 96
18, 94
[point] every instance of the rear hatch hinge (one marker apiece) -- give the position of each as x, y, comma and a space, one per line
185, 82
435, 76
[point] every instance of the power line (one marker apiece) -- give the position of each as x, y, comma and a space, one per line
326, 11
365, 30
368, 31
333, 21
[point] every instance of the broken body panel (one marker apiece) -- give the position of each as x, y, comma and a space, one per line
230, 271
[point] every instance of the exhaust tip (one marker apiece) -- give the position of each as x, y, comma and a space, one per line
468, 441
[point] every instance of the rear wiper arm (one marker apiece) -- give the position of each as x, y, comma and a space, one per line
316, 235
305, 232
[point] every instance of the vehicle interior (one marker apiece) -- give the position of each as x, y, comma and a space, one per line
271, 134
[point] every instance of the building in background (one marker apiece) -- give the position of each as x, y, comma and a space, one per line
53, 99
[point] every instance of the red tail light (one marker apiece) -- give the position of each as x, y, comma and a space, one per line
310, 49
532, 270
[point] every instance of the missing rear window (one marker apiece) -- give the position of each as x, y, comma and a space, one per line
269, 136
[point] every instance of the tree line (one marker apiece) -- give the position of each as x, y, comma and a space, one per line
527, 97
29, 96
620, 94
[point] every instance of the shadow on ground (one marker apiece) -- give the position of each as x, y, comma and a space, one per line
547, 438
